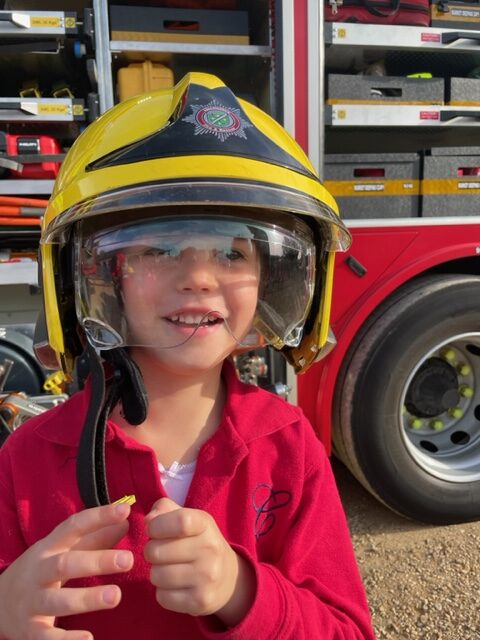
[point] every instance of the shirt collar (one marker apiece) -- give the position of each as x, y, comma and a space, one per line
252, 411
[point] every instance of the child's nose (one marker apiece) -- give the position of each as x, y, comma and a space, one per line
198, 271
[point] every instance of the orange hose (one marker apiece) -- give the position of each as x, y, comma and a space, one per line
23, 202
20, 222
17, 211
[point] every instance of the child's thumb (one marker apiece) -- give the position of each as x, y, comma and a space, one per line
164, 505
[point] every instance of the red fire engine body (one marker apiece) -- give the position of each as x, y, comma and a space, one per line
391, 257
398, 399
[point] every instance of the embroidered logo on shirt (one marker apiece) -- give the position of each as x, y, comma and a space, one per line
218, 120
265, 501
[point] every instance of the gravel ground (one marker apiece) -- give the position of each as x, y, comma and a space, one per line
422, 581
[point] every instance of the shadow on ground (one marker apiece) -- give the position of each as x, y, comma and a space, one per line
365, 513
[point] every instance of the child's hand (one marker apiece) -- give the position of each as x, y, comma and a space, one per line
31, 589
194, 569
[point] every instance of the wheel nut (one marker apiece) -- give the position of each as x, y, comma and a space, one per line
436, 425
466, 391
464, 369
416, 423
455, 412
448, 355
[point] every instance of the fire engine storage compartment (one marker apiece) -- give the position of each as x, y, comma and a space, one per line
404, 378
87, 63
370, 185
451, 182
178, 25
233, 44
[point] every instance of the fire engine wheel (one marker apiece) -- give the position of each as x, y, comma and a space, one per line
407, 409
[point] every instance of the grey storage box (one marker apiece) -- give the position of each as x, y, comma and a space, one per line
369, 185
157, 24
451, 182
455, 14
464, 92
384, 90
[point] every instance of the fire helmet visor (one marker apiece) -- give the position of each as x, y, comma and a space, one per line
162, 281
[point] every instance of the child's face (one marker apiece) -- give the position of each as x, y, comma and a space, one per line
191, 300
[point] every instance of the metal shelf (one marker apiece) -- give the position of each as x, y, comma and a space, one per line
37, 23
374, 36
120, 46
41, 109
399, 115
26, 187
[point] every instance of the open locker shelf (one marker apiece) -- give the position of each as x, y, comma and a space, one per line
37, 23
399, 116
385, 36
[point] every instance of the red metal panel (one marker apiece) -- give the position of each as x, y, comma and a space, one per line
301, 73
391, 256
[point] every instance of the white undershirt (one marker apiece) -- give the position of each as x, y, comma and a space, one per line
176, 480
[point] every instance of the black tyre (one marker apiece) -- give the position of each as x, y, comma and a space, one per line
407, 406
16, 345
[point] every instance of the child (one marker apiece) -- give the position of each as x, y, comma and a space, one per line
183, 223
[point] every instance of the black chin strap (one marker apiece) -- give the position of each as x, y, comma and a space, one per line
4, 430
126, 385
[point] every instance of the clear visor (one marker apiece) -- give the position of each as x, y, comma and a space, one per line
161, 282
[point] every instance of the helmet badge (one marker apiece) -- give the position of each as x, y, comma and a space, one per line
216, 119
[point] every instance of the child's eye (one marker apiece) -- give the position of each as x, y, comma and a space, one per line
238, 251
148, 258
232, 255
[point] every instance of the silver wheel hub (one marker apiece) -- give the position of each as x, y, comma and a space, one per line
440, 410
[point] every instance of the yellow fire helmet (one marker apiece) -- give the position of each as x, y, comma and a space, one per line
194, 144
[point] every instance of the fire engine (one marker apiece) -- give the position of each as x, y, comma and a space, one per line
398, 399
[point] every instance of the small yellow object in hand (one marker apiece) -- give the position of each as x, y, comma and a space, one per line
126, 500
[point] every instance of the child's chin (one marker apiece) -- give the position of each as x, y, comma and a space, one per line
187, 363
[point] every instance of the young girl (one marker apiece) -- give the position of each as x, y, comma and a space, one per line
183, 224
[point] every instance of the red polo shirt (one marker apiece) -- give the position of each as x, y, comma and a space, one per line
263, 476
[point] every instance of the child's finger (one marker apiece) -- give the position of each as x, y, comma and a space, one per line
81, 564
180, 523
73, 529
105, 538
164, 505
169, 552
43, 632
66, 602
178, 576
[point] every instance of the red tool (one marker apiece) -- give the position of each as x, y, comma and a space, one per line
31, 157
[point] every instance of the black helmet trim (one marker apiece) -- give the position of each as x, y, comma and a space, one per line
220, 127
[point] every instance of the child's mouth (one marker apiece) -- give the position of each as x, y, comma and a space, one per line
195, 320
